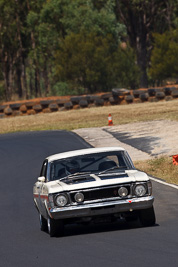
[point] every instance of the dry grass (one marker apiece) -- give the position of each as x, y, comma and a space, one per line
161, 167
91, 117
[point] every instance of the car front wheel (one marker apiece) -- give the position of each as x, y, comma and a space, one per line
43, 224
55, 227
147, 217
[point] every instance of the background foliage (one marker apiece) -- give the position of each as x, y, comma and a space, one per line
57, 47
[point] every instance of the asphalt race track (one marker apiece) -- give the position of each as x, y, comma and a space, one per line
117, 244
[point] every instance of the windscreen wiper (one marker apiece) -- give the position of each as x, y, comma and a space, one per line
73, 176
113, 168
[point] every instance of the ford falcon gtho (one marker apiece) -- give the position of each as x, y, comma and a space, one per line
92, 185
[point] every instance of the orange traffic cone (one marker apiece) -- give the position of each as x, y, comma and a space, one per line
175, 159
110, 123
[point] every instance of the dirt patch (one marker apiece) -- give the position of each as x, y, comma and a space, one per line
143, 140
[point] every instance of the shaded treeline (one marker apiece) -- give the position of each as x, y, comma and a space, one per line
58, 47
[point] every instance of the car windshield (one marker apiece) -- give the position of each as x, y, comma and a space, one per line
94, 163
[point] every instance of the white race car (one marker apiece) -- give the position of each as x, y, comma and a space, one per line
93, 184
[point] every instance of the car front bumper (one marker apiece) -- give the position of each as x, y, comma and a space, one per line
102, 208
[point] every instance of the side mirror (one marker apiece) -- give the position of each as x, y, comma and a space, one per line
41, 179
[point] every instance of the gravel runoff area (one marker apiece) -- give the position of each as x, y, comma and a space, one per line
142, 140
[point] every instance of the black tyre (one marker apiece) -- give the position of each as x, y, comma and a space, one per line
55, 227
175, 93
53, 107
99, 102
83, 103
68, 105
147, 217
160, 95
37, 108
129, 98
2, 108
144, 97
151, 92
120, 92
106, 96
43, 224
15, 106
114, 100
167, 90
75, 100
136, 93
45, 103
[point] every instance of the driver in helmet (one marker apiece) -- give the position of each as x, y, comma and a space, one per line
72, 167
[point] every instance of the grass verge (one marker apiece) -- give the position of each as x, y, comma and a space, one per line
160, 167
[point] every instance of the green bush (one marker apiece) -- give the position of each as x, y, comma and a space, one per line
95, 62
62, 89
164, 56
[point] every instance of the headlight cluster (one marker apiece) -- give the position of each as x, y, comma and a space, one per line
61, 200
79, 197
140, 190
122, 191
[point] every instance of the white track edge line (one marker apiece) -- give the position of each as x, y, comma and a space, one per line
161, 182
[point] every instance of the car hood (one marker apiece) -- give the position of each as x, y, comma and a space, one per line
97, 180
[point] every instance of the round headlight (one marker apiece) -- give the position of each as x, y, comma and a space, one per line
61, 200
79, 197
123, 192
140, 190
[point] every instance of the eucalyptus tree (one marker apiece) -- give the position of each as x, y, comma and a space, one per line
13, 46
76, 22
164, 57
141, 18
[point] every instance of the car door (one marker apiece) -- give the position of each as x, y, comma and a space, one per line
40, 188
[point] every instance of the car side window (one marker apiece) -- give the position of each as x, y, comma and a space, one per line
44, 169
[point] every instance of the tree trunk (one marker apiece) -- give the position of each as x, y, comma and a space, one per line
24, 79
135, 22
7, 73
46, 80
141, 51
19, 85
37, 83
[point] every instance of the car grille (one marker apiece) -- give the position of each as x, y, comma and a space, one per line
100, 193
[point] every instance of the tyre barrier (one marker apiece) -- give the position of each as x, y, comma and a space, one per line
61, 102
29, 105
75, 100
144, 97
120, 92
117, 96
37, 108
45, 103
15, 106
106, 97
83, 103
136, 93
174, 93
113, 100
151, 91
99, 102
153, 99
129, 99
168, 98
2, 108
8, 111
53, 107
160, 95
68, 105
